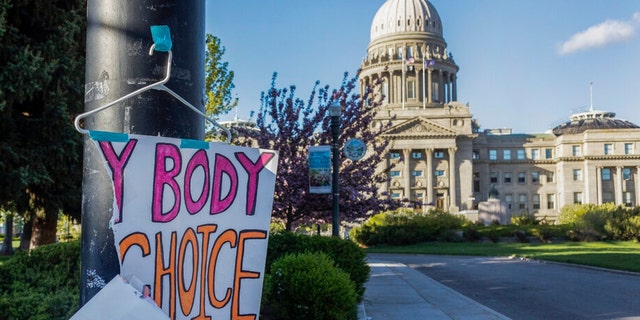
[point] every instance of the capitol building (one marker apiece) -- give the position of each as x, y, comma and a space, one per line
438, 155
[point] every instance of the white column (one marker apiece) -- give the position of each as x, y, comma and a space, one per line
637, 193
429, 86
598, 185
429, 155
407, 173
452, 179
618, 187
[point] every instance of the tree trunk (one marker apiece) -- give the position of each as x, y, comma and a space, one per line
44, 228
7, 244
25, 239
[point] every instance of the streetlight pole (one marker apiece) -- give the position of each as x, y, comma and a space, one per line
334, 111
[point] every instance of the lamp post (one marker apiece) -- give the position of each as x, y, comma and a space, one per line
334, 112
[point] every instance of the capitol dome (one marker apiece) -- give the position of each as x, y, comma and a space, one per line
592, 119
399, 16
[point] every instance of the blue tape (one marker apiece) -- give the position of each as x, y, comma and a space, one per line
108, 136
194, 144
161, 38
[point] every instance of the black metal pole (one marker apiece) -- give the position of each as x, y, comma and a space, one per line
335, 185
117, 63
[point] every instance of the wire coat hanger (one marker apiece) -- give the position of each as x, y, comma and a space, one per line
164, 45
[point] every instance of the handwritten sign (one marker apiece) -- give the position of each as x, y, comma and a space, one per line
191, 222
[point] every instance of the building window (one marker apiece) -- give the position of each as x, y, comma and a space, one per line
395, 195
535, 154
522, 177
551, 201
493, 177
438, 173
419, 195
535, 177
606, 174
577, 174
394, 155
416, 173
550, 176
626, 173
521, 155
493, 154
394, 173
607, 197
548, 153
507, 177
508, 198
608, 148
476, 186
535, 201
411, 89
438, 154
627, 199
522, 201
475, 155
506, 154
628, 148
577, 197
576, 150
416, 155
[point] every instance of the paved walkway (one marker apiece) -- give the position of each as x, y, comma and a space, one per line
395, 291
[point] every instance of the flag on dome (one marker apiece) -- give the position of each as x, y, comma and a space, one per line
429, 63
410, 60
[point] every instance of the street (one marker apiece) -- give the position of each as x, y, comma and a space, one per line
522, 289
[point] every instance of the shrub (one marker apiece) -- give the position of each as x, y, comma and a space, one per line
524, 219
310, 286
41, 284
347, 255
587, 221
407, 227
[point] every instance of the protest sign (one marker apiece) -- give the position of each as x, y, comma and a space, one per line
191, 221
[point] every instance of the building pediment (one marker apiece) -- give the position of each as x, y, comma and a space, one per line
419, 127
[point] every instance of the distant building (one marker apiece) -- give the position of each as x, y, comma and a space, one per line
438, 155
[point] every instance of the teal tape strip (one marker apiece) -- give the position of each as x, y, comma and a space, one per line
161, 38
194, 144
108, 136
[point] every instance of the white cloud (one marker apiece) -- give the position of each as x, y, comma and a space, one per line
608, 32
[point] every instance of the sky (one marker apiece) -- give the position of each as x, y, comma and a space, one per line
525, 65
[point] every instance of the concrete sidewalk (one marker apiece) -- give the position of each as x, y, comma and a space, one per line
395, 291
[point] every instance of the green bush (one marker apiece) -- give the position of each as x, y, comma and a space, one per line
309, 286
524, 219
590, 222
407, 227
623, 224
41, 284
347, 255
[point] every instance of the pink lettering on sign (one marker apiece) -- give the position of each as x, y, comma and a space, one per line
166, 153
116, 164
221, 182
199, 160
253, 169
223, 166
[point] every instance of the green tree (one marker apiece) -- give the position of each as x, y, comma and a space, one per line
41, 88
218, 81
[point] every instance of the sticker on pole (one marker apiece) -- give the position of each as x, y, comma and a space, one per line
191, 222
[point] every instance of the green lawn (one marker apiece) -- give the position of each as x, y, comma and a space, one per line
622, 255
